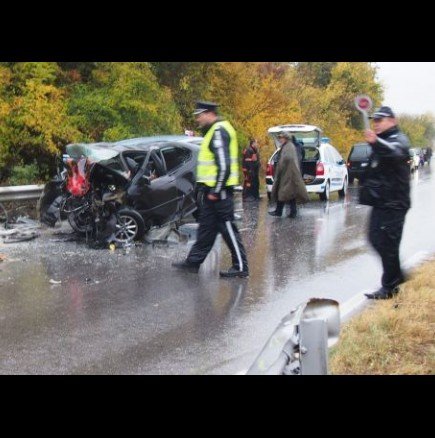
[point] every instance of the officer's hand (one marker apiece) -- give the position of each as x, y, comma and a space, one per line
370, 136
212, 197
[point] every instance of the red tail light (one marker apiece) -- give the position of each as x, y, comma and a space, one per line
270, 170
320, 169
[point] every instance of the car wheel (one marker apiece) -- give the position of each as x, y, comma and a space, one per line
342, 192
324, 196
81, 221
130, 226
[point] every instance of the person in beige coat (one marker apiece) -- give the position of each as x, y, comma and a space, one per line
288, 187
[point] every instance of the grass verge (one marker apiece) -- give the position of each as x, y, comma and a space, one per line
395, 336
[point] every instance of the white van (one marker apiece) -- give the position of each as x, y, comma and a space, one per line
323, 168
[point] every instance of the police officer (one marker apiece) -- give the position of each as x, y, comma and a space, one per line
217, 174
386, 187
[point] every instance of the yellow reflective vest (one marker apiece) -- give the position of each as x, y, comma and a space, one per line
207, 170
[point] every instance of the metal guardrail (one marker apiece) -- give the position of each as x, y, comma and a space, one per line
299, 345
20, 193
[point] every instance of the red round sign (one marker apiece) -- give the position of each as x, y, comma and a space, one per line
363, 103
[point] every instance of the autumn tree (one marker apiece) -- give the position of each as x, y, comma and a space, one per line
253, 96
123, 100
35, 125
327, 98
419, 128
188, 82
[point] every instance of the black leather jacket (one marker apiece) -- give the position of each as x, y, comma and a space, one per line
386, 181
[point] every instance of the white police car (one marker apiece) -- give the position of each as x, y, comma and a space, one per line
323, 168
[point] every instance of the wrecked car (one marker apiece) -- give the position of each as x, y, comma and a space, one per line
118, 191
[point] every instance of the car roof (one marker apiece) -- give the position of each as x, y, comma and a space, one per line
105, 151
159, 138
293, 128
146, 146
95, 151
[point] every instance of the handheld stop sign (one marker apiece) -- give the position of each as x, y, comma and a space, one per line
364, 105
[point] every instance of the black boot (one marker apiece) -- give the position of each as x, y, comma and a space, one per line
293, 209
383, 294
234, 272
186, 266
278, 209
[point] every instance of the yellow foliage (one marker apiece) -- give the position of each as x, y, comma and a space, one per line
254, 96
42, 111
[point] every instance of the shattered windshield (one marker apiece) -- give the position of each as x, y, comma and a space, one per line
94, 152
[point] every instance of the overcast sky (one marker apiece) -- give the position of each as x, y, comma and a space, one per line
409, 86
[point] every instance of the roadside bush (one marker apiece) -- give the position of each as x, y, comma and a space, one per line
24, 175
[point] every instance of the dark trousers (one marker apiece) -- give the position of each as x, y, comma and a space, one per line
385, 234
218, 217
280, 206
251, 184
255, 184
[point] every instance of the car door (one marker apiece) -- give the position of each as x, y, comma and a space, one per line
340, 168
180, 163
333, 171
153, 192
330, 170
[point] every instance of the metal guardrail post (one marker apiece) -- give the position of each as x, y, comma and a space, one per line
20, 193
299, 345
313, 347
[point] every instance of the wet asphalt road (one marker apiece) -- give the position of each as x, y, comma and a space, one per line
129, 312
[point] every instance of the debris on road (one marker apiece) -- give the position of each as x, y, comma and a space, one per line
21, 230
54, 281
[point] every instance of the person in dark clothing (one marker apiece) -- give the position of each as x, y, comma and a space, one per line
385, 186
251, 169
427, 155
299, 145
217, 174
288, 186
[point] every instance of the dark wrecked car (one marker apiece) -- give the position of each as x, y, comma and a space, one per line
115, 192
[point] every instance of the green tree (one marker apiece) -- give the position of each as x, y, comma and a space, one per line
188, 82
419, 128
36, 125
326, 96
318, 74
122, 100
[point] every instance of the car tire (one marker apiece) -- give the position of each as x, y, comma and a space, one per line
130, 226
52, 190
324, 196
81, 222
342, 192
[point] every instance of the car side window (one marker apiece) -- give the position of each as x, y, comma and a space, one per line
175, 157
328, 156
337, 157
134, 161
156, 165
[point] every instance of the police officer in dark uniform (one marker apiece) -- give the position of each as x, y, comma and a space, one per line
217, 174
386, 187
